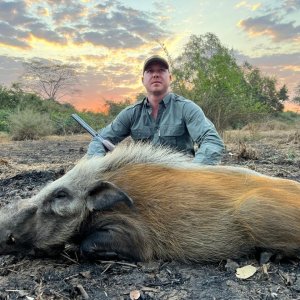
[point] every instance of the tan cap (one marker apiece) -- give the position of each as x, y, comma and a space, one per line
155, 59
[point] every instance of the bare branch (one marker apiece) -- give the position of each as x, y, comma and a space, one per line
50, 79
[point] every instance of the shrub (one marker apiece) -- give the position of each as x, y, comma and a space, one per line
4, 115
29, 125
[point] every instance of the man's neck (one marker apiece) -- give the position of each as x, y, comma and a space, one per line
154, 100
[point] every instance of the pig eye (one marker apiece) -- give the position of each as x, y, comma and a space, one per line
10, 239
61, 194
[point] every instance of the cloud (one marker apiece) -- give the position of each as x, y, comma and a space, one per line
118, 26
10, 69
275, 59
109, 24
15, 13
291, 5
271, 26
285, 67
249, 6
13, 37
41, 31
113, 38
68, 11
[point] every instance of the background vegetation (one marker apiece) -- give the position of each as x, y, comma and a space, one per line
206, 72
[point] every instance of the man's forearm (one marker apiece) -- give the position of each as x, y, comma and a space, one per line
210, 153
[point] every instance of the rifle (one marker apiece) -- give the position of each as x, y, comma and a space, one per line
108, 145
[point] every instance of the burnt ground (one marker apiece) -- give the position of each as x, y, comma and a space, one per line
27, 166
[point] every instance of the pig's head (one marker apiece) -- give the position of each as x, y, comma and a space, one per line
49, 220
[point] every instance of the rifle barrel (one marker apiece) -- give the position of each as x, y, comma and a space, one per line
110, 146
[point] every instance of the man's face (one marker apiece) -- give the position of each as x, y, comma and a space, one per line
156, 79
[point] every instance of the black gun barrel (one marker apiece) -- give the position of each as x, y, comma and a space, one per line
110, 146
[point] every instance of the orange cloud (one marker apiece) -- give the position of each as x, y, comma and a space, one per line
252, 7
33, 39
292, 68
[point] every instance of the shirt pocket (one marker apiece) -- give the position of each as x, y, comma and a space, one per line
172, 134
143, 134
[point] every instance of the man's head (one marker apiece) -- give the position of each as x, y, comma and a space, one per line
156, 76
155, 59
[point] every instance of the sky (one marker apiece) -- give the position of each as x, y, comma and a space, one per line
108, 41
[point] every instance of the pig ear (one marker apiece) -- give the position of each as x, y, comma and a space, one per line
105, 195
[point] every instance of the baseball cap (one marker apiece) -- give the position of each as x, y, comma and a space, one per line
155, 59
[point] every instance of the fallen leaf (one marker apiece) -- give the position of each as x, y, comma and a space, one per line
86, 274
134, 295
265, 268
245, 272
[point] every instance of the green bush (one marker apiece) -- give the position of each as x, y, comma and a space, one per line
29, 125
4, 115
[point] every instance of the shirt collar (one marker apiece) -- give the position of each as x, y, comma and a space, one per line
165, 101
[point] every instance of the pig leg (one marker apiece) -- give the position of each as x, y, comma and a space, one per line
113, 243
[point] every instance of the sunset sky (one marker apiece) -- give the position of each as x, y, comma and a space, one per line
109, 40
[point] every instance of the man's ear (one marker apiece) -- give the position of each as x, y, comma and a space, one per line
105, 195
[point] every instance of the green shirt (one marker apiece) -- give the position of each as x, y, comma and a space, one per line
180, 124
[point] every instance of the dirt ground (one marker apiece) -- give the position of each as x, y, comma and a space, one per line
27, 166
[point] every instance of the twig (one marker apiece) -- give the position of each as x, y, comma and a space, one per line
13, 271
14, 265
69, 258
59, 295
149, 289
72, 276
109, 265
83, 292
117, 262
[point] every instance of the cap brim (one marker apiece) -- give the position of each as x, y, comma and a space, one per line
155, 60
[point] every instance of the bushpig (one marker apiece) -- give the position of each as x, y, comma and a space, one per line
142, 203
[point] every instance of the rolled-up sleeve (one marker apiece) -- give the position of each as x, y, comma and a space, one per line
204, 134
115, 132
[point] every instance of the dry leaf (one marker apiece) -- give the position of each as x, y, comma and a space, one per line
245, 272
86, 274
265, 268
134, 295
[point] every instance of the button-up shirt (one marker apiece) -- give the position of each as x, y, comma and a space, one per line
180, 124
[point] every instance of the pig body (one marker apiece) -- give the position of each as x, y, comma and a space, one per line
143, 203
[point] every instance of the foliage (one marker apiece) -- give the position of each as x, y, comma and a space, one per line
288, 117
15, 100
207, 73
29, 125
263, 88
296, 99
114, 108
4, 115
50, 79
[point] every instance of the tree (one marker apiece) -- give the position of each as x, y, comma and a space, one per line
114, 107
207, 73
263, 88
283, 93
296, 99
50, 79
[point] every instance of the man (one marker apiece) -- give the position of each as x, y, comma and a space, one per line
164, 118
